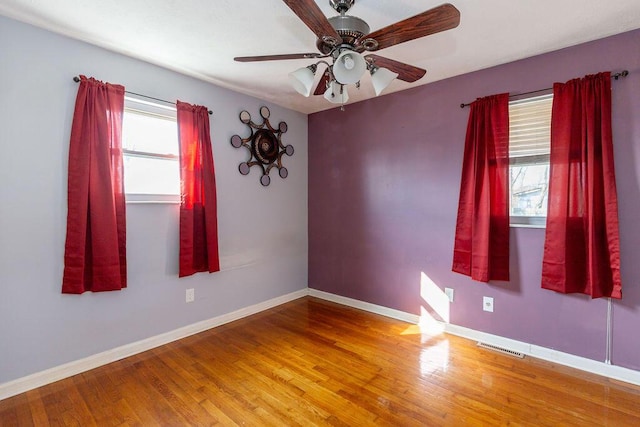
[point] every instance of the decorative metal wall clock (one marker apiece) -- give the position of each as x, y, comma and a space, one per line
264, 144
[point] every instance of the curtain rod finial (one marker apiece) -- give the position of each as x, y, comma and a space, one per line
76, 79
623, 73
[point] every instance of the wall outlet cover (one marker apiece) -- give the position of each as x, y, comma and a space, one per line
487, 304
449, 293
190, 295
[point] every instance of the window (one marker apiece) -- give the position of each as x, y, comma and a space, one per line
529, 141
150, 152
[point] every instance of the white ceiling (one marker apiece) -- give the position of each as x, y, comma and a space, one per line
201, 37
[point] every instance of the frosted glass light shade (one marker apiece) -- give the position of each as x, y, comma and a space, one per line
302, 80
381, 78
349, 67
336, 93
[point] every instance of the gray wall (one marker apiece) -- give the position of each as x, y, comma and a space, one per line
263, 231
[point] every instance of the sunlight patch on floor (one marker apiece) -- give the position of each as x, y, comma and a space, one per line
434, 358
428, 326
434, 312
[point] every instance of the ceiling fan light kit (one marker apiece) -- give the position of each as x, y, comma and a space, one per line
345, 38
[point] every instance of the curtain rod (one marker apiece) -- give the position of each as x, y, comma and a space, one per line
615, 76
77, 80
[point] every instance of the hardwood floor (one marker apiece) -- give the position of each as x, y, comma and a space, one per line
311, 362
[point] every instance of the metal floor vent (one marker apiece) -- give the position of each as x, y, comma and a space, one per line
501, 350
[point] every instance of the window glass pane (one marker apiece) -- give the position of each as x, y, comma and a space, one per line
529, 189
143, 175
149, 133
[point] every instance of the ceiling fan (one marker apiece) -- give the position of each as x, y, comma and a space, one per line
344, 38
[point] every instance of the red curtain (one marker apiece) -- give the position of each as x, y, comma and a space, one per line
481, 248
198, 208
582, 244
95, 249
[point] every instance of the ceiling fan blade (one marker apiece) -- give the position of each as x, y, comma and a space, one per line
406, 72
322, 84
309, 12
277, 57
441, 18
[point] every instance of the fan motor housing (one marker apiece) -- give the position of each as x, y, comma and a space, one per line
350, 28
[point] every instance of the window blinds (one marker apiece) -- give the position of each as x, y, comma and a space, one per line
530, 126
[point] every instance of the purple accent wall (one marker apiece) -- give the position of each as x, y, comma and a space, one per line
384, 179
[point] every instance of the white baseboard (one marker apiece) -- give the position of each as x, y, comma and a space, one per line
588, 365
57, 373
372, 308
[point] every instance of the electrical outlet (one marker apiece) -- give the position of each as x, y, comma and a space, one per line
487, 304
190, 295
449, 293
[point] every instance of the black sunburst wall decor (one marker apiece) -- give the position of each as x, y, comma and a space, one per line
264, 144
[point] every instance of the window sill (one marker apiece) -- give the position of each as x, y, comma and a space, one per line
528, 221
151, 202
527, 226
155, 199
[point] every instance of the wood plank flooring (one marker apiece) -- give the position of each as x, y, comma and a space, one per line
311, 362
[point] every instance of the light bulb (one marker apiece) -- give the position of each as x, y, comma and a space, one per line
349, 63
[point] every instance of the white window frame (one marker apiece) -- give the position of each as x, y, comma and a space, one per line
135, 105
530, 160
